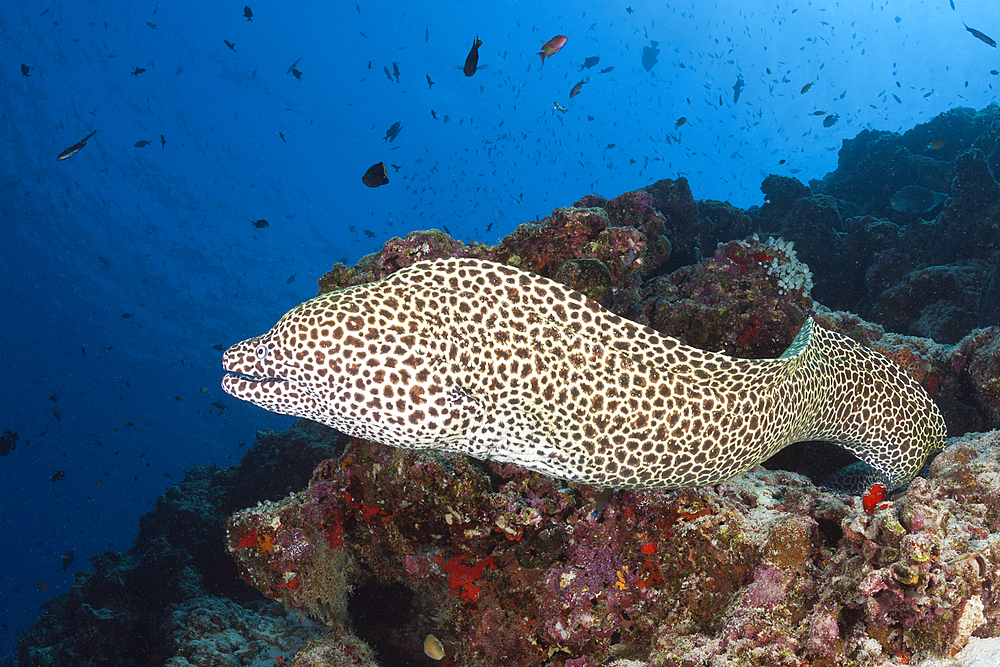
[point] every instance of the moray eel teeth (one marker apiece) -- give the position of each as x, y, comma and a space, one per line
473, 357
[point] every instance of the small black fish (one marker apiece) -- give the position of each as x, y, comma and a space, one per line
388, 74
629, 9
58, 476
67, 559
297, 74
649, 55
369, 233
392, 132
590, 62
163, 141
292, 66
395, 71
830, 120
218, 347
291, 278
138, 71
397, 167
7, 441
375, 176
230, 45
259, 224
282, 135
151, 25
737, 87
126, 316
981, 37
54, 398
220, 406
75, 148
141, 144
606, 70
472, 60
248, 14
24, 69
429, 82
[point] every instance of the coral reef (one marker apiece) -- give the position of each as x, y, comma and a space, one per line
382, 547
766, 569
748, 300
210, 631
115, 613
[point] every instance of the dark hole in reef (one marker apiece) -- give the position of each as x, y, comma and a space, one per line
380, 616
815, 459
848, 618
830, 532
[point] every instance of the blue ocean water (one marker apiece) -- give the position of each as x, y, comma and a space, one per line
122, 266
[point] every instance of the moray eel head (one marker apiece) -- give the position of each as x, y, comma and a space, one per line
338, 359
259, 371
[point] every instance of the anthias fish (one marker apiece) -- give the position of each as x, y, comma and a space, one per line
552, 47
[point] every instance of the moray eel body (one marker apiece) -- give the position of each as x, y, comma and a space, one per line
469, 356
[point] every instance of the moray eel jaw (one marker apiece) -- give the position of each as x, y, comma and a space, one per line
252, 377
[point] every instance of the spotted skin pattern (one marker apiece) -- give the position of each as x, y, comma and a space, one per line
470, 356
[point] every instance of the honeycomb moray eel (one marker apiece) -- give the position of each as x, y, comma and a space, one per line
470, 356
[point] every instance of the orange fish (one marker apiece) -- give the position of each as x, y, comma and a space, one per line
552, 47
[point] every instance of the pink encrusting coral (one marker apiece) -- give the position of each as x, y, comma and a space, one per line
766, 569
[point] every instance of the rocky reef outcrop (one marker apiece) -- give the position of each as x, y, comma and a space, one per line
370, 549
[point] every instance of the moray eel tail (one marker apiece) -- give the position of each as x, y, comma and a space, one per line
873, 408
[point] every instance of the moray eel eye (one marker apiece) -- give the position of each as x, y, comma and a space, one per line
261, 352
